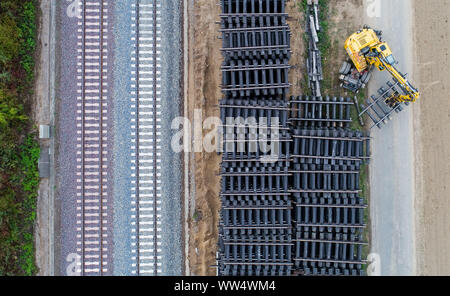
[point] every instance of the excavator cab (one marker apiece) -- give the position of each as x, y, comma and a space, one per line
358, 44
380, 55
390, 60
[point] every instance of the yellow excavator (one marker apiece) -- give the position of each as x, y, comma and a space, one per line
367, 51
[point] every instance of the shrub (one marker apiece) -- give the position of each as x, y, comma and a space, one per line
19, 150
9, 39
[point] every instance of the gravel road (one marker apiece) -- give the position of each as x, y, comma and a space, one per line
392, 167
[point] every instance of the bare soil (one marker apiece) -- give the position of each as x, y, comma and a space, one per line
204, 78
41, 115
432, 139
296, 23
344, 18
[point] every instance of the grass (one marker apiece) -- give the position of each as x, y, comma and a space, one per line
364, 185
355, 124
30, 152
19, 148
328, 49
28, 35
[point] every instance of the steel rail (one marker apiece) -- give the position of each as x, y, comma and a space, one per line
83, 96
155, 195
101, 136
137, 143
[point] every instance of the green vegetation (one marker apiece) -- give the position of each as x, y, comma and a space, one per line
330, 60
196, 216
364, 185
355, 125
19, 150
28, 35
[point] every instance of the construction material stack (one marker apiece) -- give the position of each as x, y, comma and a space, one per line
326, 158
295, 208
314, 60
256, 230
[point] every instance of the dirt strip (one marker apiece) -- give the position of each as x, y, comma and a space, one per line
203, 95
432, 138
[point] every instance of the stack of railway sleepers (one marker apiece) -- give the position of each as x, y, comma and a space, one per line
256, 49
294, 207
329, 214
256, 227
310, 111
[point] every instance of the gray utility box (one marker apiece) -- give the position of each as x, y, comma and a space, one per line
44, 131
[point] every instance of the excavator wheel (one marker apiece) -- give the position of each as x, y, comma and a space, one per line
345, 68
366, 77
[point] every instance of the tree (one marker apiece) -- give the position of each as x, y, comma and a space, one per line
10, 113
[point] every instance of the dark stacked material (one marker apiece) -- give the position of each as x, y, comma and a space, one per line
320, 112
329, 214
293, 208
256, 229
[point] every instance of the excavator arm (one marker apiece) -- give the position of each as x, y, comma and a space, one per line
410, 93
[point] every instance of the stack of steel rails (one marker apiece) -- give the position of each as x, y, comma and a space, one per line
314, 60
255, 39
326, 158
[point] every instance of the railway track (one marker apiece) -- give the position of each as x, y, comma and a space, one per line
92, 140
146, 138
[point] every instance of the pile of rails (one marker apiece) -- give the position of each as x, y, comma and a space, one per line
255, 47
377, 110
314, 60
320, 112
295, 208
